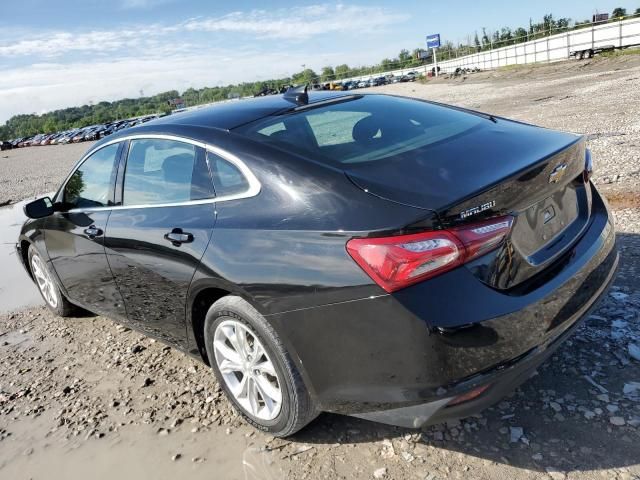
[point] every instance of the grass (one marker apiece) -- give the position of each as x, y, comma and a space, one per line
621, 53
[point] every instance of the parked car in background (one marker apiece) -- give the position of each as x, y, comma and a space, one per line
58, 138
402, 261
4, 145
67, 137
48, 139
75, 135
79, 136
25, 142
95, 133
35, 141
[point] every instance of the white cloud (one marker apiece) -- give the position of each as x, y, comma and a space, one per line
293, 24
73, 68
300, 23
132, 4
63, 42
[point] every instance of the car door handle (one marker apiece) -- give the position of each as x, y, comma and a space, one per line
93, 232
177, 237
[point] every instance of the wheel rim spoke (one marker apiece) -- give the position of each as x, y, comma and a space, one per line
241, 390
247, 370
44, 282
228, 366
253, 396
266, 367
235, 340
268, 390
228, 353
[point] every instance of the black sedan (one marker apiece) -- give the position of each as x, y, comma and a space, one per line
388, 258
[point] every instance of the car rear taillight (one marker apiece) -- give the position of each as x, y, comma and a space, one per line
399, 261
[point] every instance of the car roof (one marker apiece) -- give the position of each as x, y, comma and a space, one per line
229, 115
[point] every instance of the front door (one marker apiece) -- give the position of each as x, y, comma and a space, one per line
74, 235
156, 239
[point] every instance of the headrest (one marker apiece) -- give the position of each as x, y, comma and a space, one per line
366, 129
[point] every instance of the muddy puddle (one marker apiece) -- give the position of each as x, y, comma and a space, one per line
133, 453
16, 288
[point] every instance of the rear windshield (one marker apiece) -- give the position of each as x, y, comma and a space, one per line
366, 129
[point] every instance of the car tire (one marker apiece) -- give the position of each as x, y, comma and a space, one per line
232, 315
47, 286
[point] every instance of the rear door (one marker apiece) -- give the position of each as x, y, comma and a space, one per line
159, 233
74, 235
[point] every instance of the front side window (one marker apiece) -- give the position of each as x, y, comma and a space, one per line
165, 171
90, 185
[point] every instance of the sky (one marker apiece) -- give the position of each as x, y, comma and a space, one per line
56, 54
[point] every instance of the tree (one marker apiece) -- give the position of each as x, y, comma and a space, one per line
548, 23
637, 12
619, 12
505, 35
342, 71
476, 42
404, 56
307, 76
327, 74
562, 24
387, 64
520, 34
486, 43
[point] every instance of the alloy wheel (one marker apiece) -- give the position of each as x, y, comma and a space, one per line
43, 279
247, 370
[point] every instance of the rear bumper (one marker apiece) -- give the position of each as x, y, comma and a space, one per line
401, 358
499, 381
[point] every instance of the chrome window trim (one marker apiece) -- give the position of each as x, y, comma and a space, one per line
254, 184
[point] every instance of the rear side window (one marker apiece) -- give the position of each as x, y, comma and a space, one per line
364, 129
90, 185
227, 178
165, 171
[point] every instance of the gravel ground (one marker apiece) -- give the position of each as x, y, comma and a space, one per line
25, 172
85, 397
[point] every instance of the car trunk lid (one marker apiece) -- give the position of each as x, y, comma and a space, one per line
511, 168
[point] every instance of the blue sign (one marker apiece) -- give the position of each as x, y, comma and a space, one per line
433, 41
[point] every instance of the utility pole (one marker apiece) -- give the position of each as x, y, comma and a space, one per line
435, 61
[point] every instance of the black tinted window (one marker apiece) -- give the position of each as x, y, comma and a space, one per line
227, 178
165, 171
90, 185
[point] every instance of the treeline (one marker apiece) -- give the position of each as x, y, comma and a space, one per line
74, 117
26, 125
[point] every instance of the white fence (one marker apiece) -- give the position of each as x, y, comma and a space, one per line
547, 49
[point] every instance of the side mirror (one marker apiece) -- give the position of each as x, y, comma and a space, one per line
42, 207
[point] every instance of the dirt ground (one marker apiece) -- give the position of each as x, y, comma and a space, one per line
86, 398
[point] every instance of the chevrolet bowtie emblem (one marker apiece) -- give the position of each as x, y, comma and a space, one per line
557, 173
